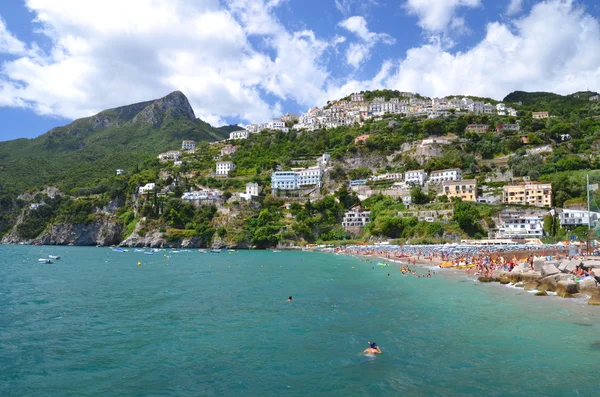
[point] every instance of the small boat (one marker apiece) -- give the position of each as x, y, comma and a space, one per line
202, 251
118, 250
215, 251
44, 260
230, 250
276, 251
174, 251
148, 253
53, 257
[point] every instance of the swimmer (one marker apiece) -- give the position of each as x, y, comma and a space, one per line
373, 348
289, 299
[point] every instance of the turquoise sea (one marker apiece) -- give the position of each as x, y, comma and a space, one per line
94, 323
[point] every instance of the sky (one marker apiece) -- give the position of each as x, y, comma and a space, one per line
248, 61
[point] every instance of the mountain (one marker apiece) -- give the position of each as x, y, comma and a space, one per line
563, 105
96, 146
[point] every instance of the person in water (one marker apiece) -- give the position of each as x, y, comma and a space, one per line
289, 299
373, 348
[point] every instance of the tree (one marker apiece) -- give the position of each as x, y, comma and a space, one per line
417, 196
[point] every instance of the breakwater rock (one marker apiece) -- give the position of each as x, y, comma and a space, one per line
551, 277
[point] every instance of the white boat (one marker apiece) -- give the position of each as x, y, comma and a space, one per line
53, 257
215, 251
230, 250
148, 253
202, 251
44, 260
276, 251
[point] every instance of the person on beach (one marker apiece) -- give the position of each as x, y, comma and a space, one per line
373, 349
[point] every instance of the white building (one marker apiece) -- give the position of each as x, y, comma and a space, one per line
475, 107
120, 171
416, 177
357, 97
252, 190
356, 218
488, 108
149, 187
277, 125
201, 195
174, 155
240, 134
387, 177
284, 180
254, 128
501, 109
440, 176
188, 145
573, 218
325, 158
309, 176
224, 167
520, 225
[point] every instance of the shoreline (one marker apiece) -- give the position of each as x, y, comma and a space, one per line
544, 280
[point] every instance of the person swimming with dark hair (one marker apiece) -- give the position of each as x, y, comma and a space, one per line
289, 299
373, 349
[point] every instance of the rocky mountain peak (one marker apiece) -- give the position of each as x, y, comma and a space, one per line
173, 105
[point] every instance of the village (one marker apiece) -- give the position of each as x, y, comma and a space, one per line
526, 202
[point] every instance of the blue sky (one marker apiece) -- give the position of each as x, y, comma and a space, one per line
246, 61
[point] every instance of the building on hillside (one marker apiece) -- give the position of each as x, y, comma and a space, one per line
253, 128
289, 118
520, 225
478, 128
488, 108
277, 125
120, 171
595, 98
475, 107
466, 189
228, 150
174, 155
309, 176
361, 138
396, 176
284, 180
356, 218
358, 182
570, 219
224, 167
357, 97
147, 188
188, 145
530, 193
500, 128
415, 177
501, 109
325, 158
440, 176
540, 115
252, 190
239, 134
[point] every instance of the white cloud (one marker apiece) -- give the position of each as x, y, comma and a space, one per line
109, 53
348, 7
357, 53
528, 54
514, 7
112, 52
437, 15
9, 44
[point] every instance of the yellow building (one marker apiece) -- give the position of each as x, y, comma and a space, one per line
466, 189
534, 194
540, 115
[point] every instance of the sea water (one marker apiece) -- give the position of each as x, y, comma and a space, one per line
95, 323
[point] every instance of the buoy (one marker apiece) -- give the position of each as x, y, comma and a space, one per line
139, 263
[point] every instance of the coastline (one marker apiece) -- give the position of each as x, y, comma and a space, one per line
544, 280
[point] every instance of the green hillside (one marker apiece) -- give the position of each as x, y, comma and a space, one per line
95, 147
576, 105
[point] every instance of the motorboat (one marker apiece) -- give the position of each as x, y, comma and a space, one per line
202, 251
276, 251
215, 251
54, 257
231, 250
44, 260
